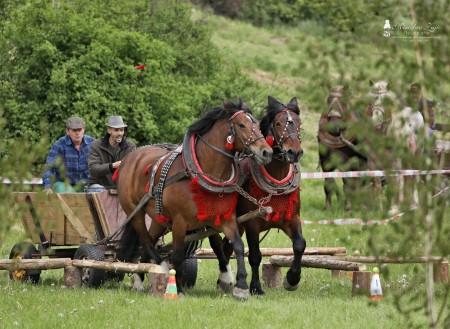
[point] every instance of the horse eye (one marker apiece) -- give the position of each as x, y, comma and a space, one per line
241, 125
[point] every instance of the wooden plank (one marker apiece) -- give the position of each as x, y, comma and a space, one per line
81, 229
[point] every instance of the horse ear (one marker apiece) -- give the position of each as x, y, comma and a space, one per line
228, 105
293, 101
271, 101
371, 83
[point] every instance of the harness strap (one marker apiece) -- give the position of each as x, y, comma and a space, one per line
158, 193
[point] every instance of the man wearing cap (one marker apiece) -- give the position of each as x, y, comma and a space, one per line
106, 154
67, 162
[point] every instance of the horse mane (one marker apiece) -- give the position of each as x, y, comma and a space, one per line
273, 108
204, 124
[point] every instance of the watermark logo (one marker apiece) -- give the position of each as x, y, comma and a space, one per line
410, 31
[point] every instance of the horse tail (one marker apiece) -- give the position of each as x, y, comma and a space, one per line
128, 244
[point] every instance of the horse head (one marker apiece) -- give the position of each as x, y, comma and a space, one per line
244, 134
281, 126
381, 110
337, 110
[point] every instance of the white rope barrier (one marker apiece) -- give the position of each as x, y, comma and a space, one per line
372, 173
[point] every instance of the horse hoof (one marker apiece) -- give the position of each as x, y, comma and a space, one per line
287, 286
226, 287
226, 281
257, 292
138, 285
241, 294
393, 211
165, 267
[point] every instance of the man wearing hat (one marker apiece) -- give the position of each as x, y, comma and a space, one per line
67, 162
106, 154
418, 104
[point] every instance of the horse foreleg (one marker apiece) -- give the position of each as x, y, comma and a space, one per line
254, 258
178, 253
330, 187
230, 229
226, 279
293, 275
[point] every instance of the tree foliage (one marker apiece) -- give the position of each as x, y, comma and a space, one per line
62, 58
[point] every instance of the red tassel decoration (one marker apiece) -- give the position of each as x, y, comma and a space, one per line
269, 140
147, 187
146, 169
115, 175
230, 141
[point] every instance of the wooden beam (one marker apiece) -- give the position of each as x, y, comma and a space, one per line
75, 221
267, 252
316, 262
118, 266
57, 263
33, 264
381, 259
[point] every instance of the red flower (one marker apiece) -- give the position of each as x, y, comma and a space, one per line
140, 67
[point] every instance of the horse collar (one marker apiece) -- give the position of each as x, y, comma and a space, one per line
273, 186
206, 181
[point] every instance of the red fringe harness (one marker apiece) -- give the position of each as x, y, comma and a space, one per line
210, 205
280, 203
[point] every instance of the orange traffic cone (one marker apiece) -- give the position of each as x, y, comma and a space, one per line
171, 289
375, 286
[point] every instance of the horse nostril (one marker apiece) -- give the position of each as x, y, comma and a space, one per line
267, 154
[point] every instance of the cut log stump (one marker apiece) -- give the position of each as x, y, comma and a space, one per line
72, 276
361, 283
272, 276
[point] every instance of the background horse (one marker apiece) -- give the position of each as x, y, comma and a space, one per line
398, 140
338, 146
276, 185
197, 189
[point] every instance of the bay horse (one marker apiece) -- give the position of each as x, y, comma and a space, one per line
277, 185
338, 145
194, 185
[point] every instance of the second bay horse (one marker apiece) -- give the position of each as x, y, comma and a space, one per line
277, 185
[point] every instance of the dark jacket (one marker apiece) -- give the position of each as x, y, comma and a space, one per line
101, 159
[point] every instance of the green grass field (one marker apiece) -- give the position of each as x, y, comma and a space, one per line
278, 60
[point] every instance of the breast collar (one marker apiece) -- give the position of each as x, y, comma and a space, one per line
206, 181
271, 185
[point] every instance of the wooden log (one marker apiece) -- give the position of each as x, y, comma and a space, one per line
381, 259
267, 252
361, 283
118, 266
272, 276
316, 262
72, 276
33, 264
157, 282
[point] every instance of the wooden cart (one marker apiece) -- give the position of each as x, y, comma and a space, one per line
74, 225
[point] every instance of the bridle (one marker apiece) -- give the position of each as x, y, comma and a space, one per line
285, 135
339, 112
377, 109
232, 134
